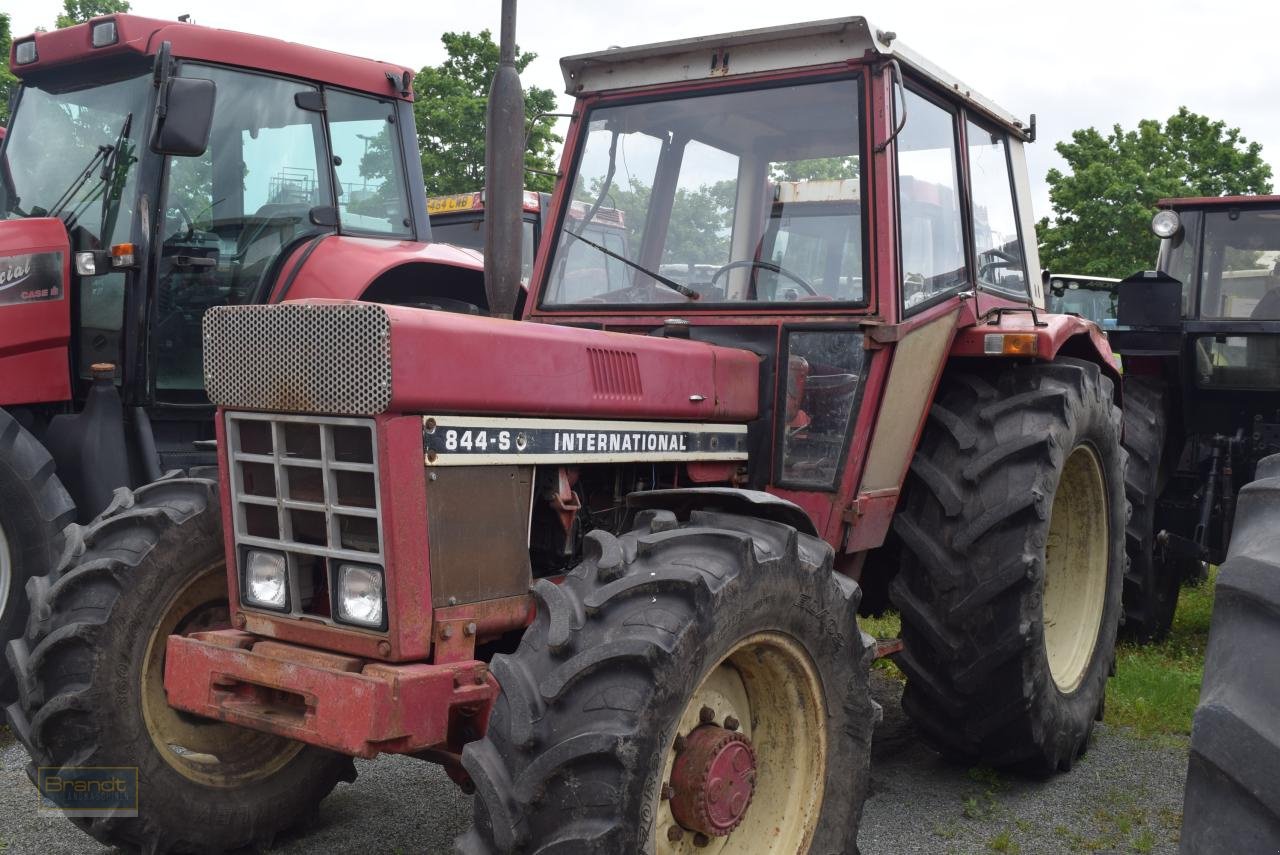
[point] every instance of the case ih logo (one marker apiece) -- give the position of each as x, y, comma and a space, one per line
31, 278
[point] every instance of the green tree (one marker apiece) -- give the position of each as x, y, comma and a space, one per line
7, 80
78, 11
450, 111
1102, 207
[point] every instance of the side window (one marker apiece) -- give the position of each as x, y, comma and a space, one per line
997, 249
932, 235
369, 172
824, 382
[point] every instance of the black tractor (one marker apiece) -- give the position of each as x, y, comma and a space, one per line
1200, 342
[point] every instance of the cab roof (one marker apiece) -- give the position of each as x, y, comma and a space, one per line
1218, 202
793, 46
139, 36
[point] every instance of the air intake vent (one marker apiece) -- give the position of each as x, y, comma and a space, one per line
614, 373
299, 358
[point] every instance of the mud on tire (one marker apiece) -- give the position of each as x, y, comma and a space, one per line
88, 671
1233, 798
34, 509
580, 739
975, 524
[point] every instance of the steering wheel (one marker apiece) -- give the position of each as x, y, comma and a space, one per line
766, 265
1003, 261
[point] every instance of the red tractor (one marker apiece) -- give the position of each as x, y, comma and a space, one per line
603, 563
155, 169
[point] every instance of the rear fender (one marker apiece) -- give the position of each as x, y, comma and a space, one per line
1056, 335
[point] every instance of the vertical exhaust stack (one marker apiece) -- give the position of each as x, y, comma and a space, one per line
504, 174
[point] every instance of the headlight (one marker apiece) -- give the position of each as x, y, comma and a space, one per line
24, 53
266, 580
104, 33
360, 598
1165, 224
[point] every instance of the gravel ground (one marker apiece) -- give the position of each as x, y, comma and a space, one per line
1124, 796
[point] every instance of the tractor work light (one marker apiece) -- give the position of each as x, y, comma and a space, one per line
1165, 224
104, 33
360, 598
266, 580
24, 53
85, 264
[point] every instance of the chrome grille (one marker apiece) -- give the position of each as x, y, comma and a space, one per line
299, 357
306, 487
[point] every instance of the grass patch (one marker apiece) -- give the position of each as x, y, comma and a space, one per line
887, 625
1157, 686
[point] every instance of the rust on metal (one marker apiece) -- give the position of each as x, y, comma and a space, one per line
336, 702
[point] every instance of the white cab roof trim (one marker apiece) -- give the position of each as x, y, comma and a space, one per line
750, 51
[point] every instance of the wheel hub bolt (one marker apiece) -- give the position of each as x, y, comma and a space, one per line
678, 745
706, 715
701, 839
731, 723
674, 833
668, 792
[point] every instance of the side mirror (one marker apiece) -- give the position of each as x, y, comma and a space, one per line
1149, 298
184, 116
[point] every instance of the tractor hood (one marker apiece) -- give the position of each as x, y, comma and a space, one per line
350, 358
35, 316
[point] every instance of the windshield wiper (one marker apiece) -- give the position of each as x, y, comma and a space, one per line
658, 277
106, 156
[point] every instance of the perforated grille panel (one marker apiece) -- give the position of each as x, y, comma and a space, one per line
299, 358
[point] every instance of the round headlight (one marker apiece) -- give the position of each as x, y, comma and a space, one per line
1165, 224
360, 595
266, 578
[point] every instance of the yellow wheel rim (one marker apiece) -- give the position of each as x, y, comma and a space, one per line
1076, 561
208, 752
768, 683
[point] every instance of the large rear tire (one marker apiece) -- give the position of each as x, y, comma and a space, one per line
1233, 793
664, 647
1151, 582
90, 679
34, 509
1012, 525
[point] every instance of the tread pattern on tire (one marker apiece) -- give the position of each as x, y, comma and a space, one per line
972, 524
1233, 793
56, 717
38, 507
568, 755
1149, 597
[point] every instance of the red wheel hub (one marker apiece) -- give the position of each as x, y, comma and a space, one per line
714, 778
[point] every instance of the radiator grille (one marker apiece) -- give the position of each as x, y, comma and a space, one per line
299, 357
307, 488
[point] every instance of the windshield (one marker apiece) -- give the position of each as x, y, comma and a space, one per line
1241, 267
469, 231
1088, 297
57, 146
743, 196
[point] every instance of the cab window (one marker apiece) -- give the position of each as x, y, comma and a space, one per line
997, 245
931, 230
368, 168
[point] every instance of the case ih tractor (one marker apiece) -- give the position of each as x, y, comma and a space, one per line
603, 562
155, 169
1200, 339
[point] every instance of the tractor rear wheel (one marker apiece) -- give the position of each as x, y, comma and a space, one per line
695, 687
34, 509
1151, 582
1233, 799
90, 674
1013, 532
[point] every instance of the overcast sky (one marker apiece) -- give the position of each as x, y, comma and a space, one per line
1075, 63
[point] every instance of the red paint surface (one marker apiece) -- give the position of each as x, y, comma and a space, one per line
143, 36
34, 337
341, 267
1217, 201
1066, 334
355, 708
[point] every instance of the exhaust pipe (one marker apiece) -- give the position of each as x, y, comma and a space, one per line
504, 174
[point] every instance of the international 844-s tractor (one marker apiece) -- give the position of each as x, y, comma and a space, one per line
154, 169
603, 562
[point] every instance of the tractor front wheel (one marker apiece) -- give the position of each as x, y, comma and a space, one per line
90, 673
1013, 527
691, 687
